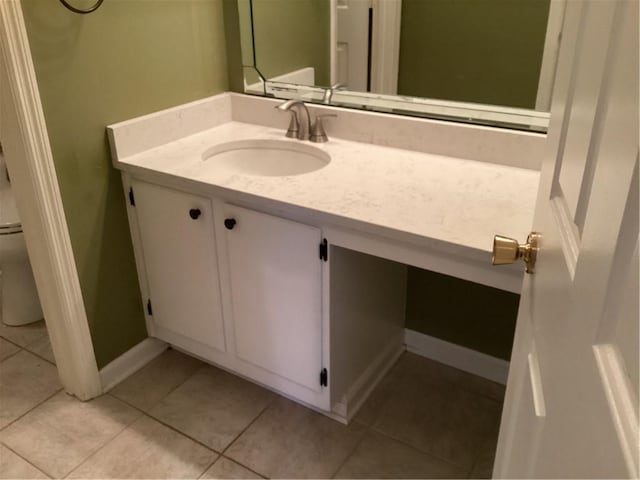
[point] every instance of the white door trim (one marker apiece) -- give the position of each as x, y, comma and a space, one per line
550, 55
34, 180
333, 41
385, 46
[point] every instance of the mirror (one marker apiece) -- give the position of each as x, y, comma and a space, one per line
482, 61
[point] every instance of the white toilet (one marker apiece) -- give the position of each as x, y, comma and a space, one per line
20, 303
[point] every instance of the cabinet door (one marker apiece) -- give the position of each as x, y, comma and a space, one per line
178, 244
276, 296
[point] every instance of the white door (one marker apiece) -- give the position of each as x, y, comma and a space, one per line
178, 246
352, 44
571, 407
275, 274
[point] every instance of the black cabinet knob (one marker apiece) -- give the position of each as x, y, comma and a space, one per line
229, 223
195, 213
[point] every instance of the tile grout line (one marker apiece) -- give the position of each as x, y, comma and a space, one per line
353, 450
61, 389
144, 414
162, 422
25, 459
273, 400
242, 465
220, 454
479, 452
11, 342
210, 465
479, 394
368, 428
452, 383
20, 349
41, 357
26, 349
419, 450
46, 333
171, 390
195, 440
98, 449
108, 441
475, 462
269, 405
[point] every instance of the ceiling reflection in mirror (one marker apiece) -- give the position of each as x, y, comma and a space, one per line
490, 62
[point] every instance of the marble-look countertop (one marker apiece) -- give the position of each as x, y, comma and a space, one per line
407, 195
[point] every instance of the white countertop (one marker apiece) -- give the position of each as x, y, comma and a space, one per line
408, 195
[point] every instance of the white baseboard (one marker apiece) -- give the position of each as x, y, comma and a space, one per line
130, 362
462, 358
360, 390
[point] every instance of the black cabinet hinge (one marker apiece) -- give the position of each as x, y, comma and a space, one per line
149, 309
324, 250
132, 200
324, 378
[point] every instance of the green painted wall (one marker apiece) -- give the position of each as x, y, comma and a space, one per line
292, 34
475, 316
129, 58
482, 51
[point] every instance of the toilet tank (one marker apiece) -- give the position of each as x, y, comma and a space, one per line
8, 209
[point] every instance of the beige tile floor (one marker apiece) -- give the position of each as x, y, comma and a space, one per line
181, 418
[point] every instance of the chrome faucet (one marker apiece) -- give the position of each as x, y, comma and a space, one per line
294, 130
328, 93
314, 133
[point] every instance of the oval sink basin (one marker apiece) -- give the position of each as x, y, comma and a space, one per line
270, 158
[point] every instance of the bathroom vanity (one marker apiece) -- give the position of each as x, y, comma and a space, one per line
293, 274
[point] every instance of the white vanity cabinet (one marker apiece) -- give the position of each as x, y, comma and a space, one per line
233, 286
177, 243
250, 292
256, 299
274, 273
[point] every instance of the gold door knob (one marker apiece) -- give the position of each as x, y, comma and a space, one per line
507, 250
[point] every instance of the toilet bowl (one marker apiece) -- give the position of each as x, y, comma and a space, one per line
19, 297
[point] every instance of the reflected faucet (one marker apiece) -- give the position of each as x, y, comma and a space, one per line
328, 93
295, 130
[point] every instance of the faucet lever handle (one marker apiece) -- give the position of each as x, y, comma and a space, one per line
318, 135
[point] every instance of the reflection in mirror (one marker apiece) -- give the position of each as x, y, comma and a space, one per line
246, 35
486, 61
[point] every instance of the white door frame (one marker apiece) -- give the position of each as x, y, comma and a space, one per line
28, 156
550, 55
333, 40
385, 45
